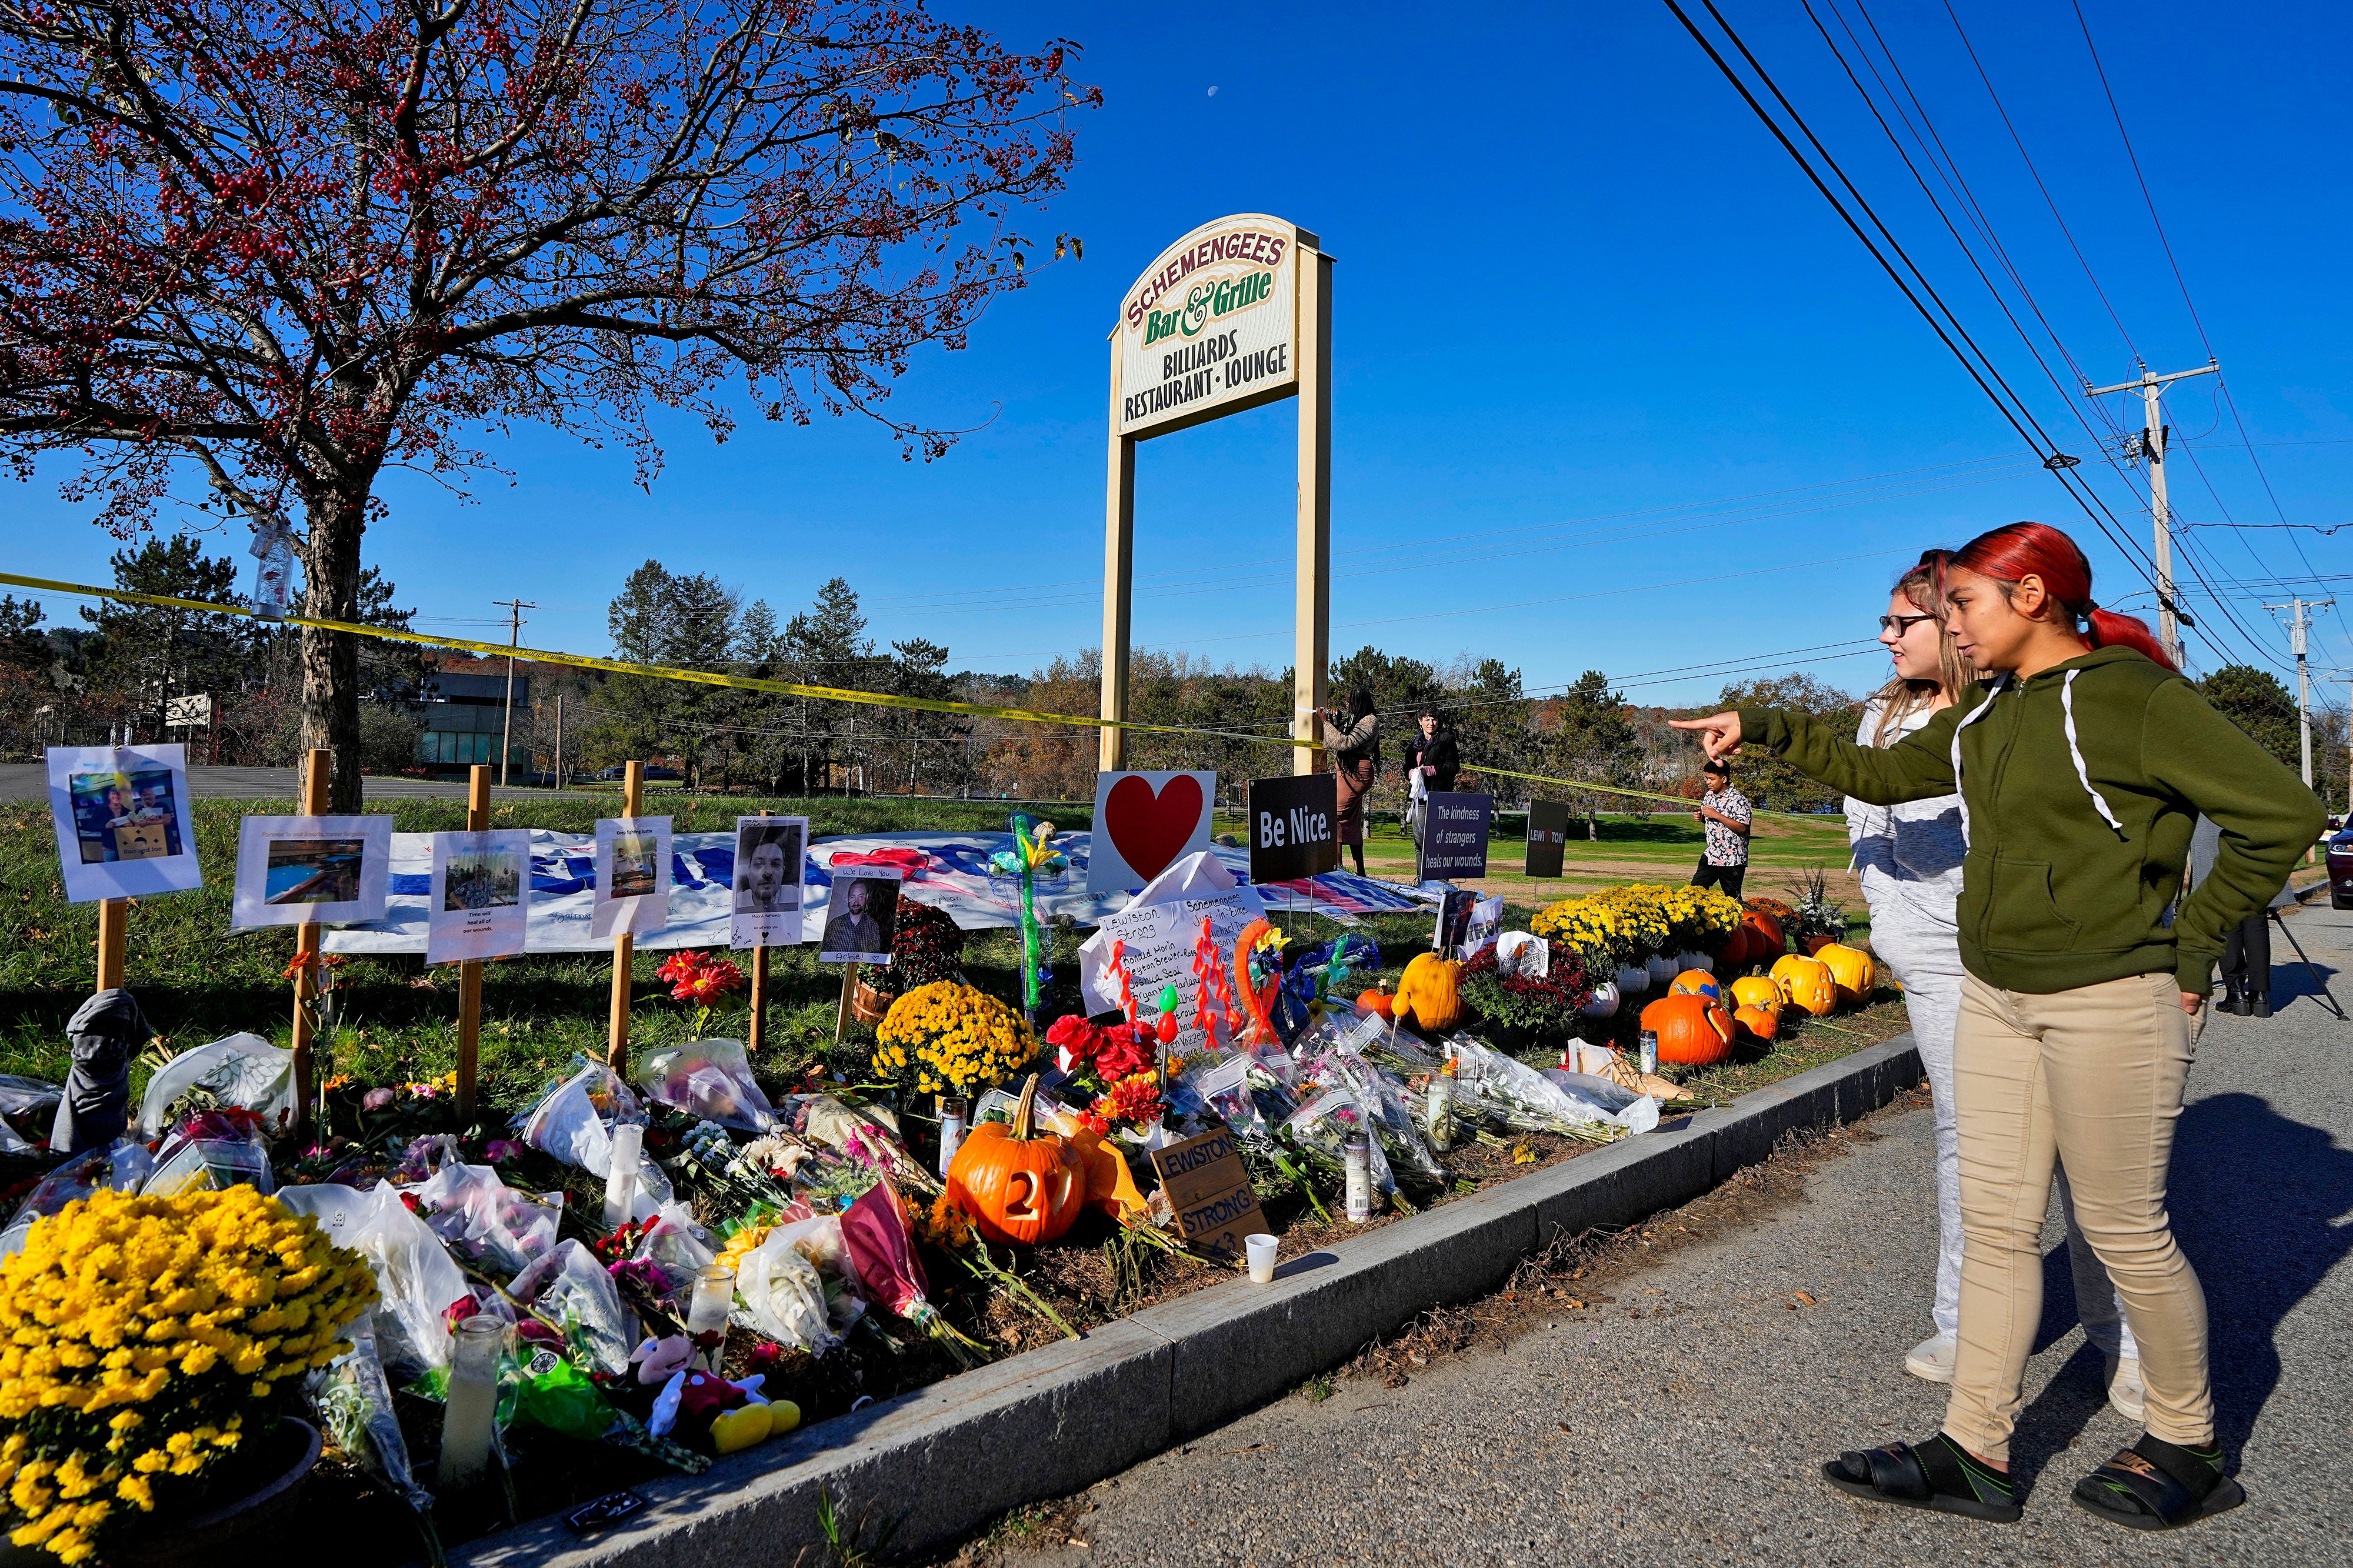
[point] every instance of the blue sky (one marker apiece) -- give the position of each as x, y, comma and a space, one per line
1580, 295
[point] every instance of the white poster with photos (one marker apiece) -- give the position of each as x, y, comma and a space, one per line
771, 853
864, 906
297, 871
481, 898
632, 876
123, 823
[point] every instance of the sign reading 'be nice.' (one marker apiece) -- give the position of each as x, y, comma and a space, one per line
1294, 827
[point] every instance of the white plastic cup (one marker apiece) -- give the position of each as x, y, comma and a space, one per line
1262, 1258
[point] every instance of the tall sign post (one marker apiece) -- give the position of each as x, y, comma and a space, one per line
1236, 314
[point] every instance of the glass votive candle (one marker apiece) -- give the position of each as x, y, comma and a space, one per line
714, 1293
621, 1175
473, 1401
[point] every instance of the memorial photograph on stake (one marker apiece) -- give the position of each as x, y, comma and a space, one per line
769, 861
481, 895
122, 819
301, 870
633, 875
864, 916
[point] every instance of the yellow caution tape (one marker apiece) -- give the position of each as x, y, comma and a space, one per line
757, 683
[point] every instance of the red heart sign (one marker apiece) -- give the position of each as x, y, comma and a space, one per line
1151, 830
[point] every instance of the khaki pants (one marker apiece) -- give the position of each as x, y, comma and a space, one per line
2092, 1078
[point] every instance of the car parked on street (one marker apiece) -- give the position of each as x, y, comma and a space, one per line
2340, 870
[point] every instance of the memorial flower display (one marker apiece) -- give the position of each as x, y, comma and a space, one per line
951, 1036
145, 1338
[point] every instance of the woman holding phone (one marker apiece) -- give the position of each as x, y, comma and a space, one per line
1909, 858
2081, 768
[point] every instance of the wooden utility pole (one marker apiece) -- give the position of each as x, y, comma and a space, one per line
469, 971
316, 772
1119, 574
514, 608
624, 945
2170, 618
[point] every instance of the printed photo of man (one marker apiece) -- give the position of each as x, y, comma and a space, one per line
866, 911
767, 868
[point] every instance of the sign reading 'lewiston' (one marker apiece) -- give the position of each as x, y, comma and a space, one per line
1211, 326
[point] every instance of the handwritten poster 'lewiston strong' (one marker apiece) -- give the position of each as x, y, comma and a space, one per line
1211, 327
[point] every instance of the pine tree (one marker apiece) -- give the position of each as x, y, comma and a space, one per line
151, 653
1592, 739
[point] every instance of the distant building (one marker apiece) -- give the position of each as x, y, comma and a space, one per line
466, 714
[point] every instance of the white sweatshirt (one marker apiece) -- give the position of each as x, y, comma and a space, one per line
1909, 855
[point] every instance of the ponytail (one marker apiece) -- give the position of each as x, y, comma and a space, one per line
2019, 550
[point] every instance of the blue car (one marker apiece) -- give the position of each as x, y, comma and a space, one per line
2340, 870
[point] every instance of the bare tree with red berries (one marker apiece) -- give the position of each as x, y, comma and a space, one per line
253, 252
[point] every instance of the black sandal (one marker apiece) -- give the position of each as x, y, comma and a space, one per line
2157, 1485
1937, 1474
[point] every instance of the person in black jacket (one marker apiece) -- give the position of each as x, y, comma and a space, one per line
1431, 753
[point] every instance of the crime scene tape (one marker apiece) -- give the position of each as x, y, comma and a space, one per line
778, 688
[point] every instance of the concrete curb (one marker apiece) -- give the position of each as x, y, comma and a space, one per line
944, 1459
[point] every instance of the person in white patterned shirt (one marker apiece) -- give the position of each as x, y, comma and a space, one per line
1724, 812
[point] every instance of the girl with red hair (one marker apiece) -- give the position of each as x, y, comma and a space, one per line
2081, 768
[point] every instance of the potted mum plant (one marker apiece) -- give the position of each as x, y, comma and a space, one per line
152, 1351
927, 948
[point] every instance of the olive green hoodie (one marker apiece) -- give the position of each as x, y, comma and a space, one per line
2079, 789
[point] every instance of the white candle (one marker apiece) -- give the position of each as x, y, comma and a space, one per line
714, 1293
473, 1401
621, 1175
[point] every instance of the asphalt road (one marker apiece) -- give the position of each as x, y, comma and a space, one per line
1694, 1432
29, 780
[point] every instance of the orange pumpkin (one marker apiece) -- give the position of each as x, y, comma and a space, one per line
1429, 993
1762, 1022
1764, 939
1695, 982
1851, 967
1807, 985
1755, 991
1021, 1185
1377, 1001
1692, 1030
1733, 956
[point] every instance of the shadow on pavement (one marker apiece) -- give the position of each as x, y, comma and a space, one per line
2261, 1203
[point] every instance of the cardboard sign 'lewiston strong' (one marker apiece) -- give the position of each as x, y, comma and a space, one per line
1294, 827
1208, 1190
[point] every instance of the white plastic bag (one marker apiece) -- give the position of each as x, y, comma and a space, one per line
414, 1276
710, 1079
569, 1285
243, 1070
20, 1096
484, 1220
783, 1296
678, 1247
570, 1123
122, 1166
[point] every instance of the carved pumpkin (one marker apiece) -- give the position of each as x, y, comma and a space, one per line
1851, 967
1429, 995
1762, 1022
1019, 1184
1696, 982
1807, 985
1377, 1001
1692, 1030
1754, 991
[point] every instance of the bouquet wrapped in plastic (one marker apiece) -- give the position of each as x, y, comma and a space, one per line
1321, 1128
1518, 1097
882, 1245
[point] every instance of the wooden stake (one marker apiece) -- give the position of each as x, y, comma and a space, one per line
469, 973
316, 770
113, 933
625, 946
842, 1018
757, 1032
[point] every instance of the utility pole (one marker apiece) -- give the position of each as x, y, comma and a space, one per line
2299, 620
514, 608
2152, 451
